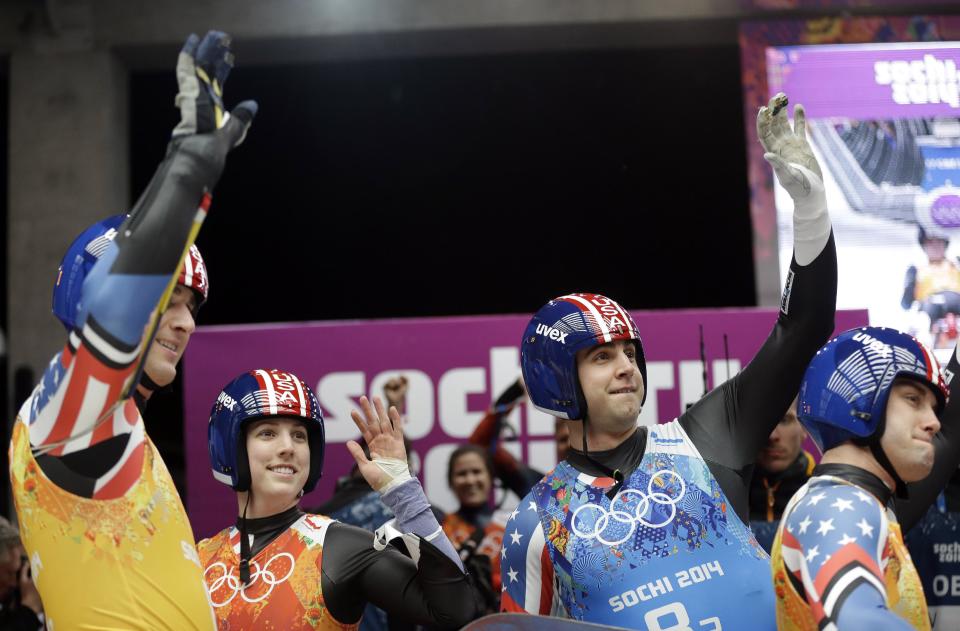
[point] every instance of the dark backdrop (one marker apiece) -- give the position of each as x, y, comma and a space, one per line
447, 186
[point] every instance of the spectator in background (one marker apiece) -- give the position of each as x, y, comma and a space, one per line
513, 474
20, 605
933, 290
783, 466
476, 529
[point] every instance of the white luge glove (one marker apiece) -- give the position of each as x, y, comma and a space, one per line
798, 171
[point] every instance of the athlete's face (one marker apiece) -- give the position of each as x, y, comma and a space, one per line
784, 444
176, 326
279, 455
911, 424
470, 479
611, 384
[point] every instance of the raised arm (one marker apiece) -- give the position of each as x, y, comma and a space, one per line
79, 402
732, 422
429, 586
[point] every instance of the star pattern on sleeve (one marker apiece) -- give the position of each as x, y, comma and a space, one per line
841, 504
833, 544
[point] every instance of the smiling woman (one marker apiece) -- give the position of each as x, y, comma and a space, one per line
266, 441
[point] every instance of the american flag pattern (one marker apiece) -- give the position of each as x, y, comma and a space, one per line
569, 551
602, 317
193, 274
835, 539
78, 403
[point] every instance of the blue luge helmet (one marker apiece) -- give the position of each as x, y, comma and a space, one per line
87, 249
80, 258
548, 351
254, 395
845, 389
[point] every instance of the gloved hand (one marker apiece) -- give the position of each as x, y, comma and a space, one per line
202, 70
792, 159
790, 155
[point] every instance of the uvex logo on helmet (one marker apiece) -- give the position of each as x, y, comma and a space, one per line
576, 321
552, 333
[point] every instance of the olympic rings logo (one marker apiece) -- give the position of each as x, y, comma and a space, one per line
640, 514
257, 573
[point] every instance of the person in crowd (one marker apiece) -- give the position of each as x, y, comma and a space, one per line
20, 606
873, 400
513, 474
278, 566
783, 466
933, 290
108, 539
475, 528
646, 527
940, 274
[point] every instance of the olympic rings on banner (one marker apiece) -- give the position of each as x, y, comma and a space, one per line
257, 573
625, 516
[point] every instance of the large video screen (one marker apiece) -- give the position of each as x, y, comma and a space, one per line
884, 122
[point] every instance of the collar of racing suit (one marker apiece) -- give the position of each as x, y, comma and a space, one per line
625, 457
266, 529
861, 477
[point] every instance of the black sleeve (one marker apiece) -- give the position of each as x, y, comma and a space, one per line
434, 592
731, 423
946, 457
909, 287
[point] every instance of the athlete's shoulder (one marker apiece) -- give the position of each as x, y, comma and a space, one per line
313, 528
827, 509
208, 547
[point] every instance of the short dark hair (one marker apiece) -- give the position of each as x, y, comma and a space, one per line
469, 448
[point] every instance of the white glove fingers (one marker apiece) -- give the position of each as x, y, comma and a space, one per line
800, 122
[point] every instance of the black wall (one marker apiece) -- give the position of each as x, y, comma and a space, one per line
446, 186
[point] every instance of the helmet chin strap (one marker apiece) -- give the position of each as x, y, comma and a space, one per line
245, 543
873, 442
616, 474
881, 456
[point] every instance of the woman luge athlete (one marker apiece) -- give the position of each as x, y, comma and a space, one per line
281, 566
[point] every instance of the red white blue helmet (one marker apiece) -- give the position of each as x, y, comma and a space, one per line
255, 395
548, 351
84, 253
845, 389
